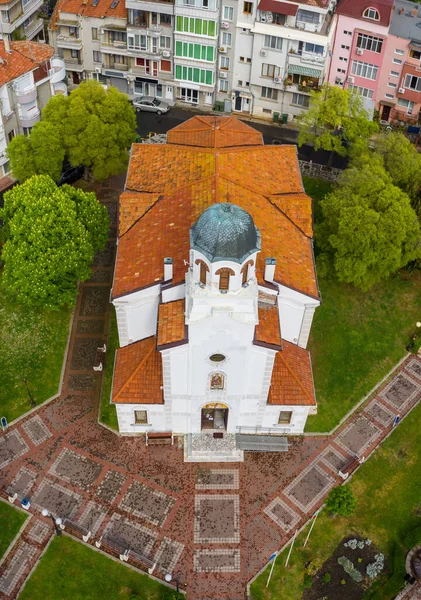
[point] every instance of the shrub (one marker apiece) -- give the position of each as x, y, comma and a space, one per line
343, 582
374, 569
326, 578
308, 581
341, 501
350, 569
313, 566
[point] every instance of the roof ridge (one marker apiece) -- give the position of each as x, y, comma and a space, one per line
288, 217
142, 362
293, 374
160, 197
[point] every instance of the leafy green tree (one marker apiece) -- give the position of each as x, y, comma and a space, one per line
97, 127
341, 501
40, 153
369, 229
52, 235
335, 121
401, 160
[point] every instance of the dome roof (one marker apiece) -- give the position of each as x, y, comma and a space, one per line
225, 231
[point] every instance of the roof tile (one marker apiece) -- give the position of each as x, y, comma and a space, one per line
171, 323
292, 377
268, 330
24, 57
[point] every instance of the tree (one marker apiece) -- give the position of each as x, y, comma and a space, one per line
341, 501
369, 229
52, 235
335, 121
40, 153
401, 160
97, 127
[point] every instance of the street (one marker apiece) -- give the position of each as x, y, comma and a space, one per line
272, 134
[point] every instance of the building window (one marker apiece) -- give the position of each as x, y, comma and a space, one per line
203, 270
225, 63
341, 71
347, 32
194, 74
368, 42
141, 417
165, 42
412, 83
301, 100
217, 358
394, 73
223, 86
408, 104
248, 60
365, 92
269, 93
392, 85
344, 47
195, 51
245, 271
343, 59
390, 96
247, 83
74, 53
273, 42
224, 278
11, 135
240, 83
400, 52
164, 19
137, 42
397, 61
6, 167
371, 13
94, 31
270, 70
285, 417
166, 66
27, 130
226, 39
365, 70
248, 8
228, 13
195, 26
314, 48
307, 16
97, 57
217, 381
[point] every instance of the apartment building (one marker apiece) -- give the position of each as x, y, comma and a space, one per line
28, 78
360, 46
399, 92
20, 19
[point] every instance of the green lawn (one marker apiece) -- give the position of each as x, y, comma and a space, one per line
108, 411
357, 337
32, 345
11, 520
388, 488
71, 571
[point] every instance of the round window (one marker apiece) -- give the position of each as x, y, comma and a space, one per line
217, 358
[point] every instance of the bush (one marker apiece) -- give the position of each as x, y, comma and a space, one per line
374, 569
326, 578
341, 501
313, 566
343, 582
308, 581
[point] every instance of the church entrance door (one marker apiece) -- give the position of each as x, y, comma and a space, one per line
214, 417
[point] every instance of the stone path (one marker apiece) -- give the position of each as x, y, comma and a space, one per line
211, 526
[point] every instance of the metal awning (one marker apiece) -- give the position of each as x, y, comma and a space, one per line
282, 8
306, 71
261, 443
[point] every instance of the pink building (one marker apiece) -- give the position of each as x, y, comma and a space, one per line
360, 45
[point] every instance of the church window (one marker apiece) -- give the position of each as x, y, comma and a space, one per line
245, 271
285, 417
203, 270
141, 417
217, 381
217, 358
224, 278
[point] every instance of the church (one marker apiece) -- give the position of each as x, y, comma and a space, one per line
215, 290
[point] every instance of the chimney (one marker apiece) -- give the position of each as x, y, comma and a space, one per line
6, 43
270, 269
168, 268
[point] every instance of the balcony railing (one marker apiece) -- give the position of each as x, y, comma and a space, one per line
117, 67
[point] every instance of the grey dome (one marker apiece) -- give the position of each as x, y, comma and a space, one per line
225, 232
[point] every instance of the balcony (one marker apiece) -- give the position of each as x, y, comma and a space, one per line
28, 10
58, 70
73, 64
161, 6
28, 118
27, 94
35, 27
111, 46
72, 43
306, 58
116, 67
60, 89
3, 157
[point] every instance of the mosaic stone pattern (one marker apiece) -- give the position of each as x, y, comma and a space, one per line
217, 561
36, 430
84, 352
12, 446
130, 535
67, 410
109, 487
358, 436
400, 391
168, 554
81, 383
94, 301
217, 479
92, 517
217, 519
282, 514
148, 504
414, 366
333, 459
379, 412
17, 567
75, 468
39, 532
22, 483
90, 326
309, 487
60, 501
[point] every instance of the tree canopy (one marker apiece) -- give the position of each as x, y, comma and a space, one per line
369, 229
52, 235
97, 127
401, 160
341, 501
40, 153
336, 121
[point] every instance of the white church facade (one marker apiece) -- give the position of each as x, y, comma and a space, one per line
215, 286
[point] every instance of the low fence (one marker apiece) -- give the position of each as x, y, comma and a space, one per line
312, 169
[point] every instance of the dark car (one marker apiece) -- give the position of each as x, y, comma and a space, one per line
70, 174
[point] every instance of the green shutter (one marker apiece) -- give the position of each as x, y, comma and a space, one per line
198, 26
202, 76
178, 49
178, 71
209, 53
197, 51
191, 50
211, 28
186, 24
185, 73
203, 52
191, 26
209, 77
190, 74
185, 49
205, 28
196, 75
179, 24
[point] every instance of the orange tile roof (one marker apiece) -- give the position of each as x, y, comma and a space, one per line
24, 57
190, 180
132, 207
171, 324
292, 377
268, 330
138, 374
298, 207
214, 132
86, 9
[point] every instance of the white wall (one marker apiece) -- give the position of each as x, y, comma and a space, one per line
137, 315
296, 314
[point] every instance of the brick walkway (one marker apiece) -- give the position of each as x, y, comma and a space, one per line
212, 526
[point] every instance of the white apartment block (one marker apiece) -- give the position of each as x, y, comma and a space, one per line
20, 20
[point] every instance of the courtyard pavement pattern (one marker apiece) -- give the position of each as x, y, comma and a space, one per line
212, 526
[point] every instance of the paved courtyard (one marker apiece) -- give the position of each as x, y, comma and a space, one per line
211, 526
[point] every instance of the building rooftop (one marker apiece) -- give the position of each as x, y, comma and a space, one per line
24, 57
172, 330
214, 132
268, 331
356, 8
406, 20
89, 8
292, 377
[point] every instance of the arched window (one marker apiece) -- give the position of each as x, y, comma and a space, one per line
371, 13
217, 381
224, 277
203, 270
245, 271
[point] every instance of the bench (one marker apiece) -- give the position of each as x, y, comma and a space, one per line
159, 438
350, 466
100, 358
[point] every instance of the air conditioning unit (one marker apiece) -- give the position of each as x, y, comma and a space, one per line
223, 74
360, 51
98, 69
276, 80
263, 52
225, 25
269, 17
223, 49
401, 90
350, 79
166, 54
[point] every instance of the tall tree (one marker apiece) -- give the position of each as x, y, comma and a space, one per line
40, 153
369, 230
97, 127
335, 121
51, 237
401, 160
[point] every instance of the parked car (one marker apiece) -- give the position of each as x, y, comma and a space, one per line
150, 104
70, 174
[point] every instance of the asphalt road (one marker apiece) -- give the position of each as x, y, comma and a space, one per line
272, 134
